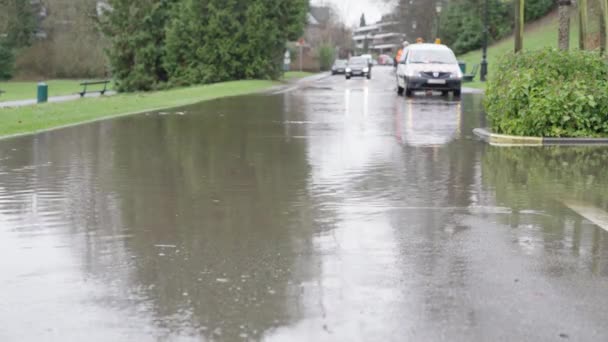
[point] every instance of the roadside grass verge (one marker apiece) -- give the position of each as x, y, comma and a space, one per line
20, 90
17, 90
32, 119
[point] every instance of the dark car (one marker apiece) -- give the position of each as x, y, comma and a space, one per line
358, 67
339, 67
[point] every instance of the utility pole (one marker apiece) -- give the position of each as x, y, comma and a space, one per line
582, 12
520, 6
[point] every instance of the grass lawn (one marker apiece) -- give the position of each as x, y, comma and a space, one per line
27, 90
538, 35
293, 75
37, 118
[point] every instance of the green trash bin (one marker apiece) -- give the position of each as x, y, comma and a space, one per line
43, 92
463, 66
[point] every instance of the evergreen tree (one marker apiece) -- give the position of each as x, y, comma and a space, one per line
7, 62
18, 21
181, 42
218, 40
362, 21
136, 29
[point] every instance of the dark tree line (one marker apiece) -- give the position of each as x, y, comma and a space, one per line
155, 44
461, 21
18, 22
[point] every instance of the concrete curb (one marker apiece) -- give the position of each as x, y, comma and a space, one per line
295, 84
468, 90
313, 78
513, 140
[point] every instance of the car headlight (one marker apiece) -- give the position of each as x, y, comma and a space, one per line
411, 74
456, 75
348, 70
365, 69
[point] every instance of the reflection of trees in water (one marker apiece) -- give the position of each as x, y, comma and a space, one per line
220, 184
541, 179
223, 187
57, 176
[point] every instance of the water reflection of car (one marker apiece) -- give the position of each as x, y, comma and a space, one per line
428, 122
339, 67
428, 67
358, 67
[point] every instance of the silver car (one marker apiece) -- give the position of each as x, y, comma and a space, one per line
428, 67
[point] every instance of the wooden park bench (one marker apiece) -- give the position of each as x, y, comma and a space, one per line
471, 76
85, 84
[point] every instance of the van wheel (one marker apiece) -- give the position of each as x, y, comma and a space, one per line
400, 91
457, 92
407, 90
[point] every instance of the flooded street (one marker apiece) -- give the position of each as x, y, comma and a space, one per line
337, 211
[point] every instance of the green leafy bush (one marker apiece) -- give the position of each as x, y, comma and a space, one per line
538, 8
326, 56
549, 93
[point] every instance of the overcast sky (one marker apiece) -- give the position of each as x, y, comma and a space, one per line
351, 10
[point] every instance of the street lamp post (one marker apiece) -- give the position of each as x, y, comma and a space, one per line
438, 8
484, 60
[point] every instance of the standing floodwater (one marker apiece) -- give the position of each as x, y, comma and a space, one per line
336, 212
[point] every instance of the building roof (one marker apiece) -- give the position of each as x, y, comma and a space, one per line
321, 14
312, 20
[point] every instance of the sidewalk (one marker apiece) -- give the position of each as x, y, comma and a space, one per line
65, 98
295, 84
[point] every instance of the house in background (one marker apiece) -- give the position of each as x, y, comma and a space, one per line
382, 37
319, 22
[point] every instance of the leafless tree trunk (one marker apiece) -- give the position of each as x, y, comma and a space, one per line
603, 25
583, 20
564, 24
519, 24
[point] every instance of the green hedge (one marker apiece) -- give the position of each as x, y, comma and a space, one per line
549, 93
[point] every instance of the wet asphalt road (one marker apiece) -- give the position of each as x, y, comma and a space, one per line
334, 212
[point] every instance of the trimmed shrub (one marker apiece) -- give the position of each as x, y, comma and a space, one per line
549, 93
